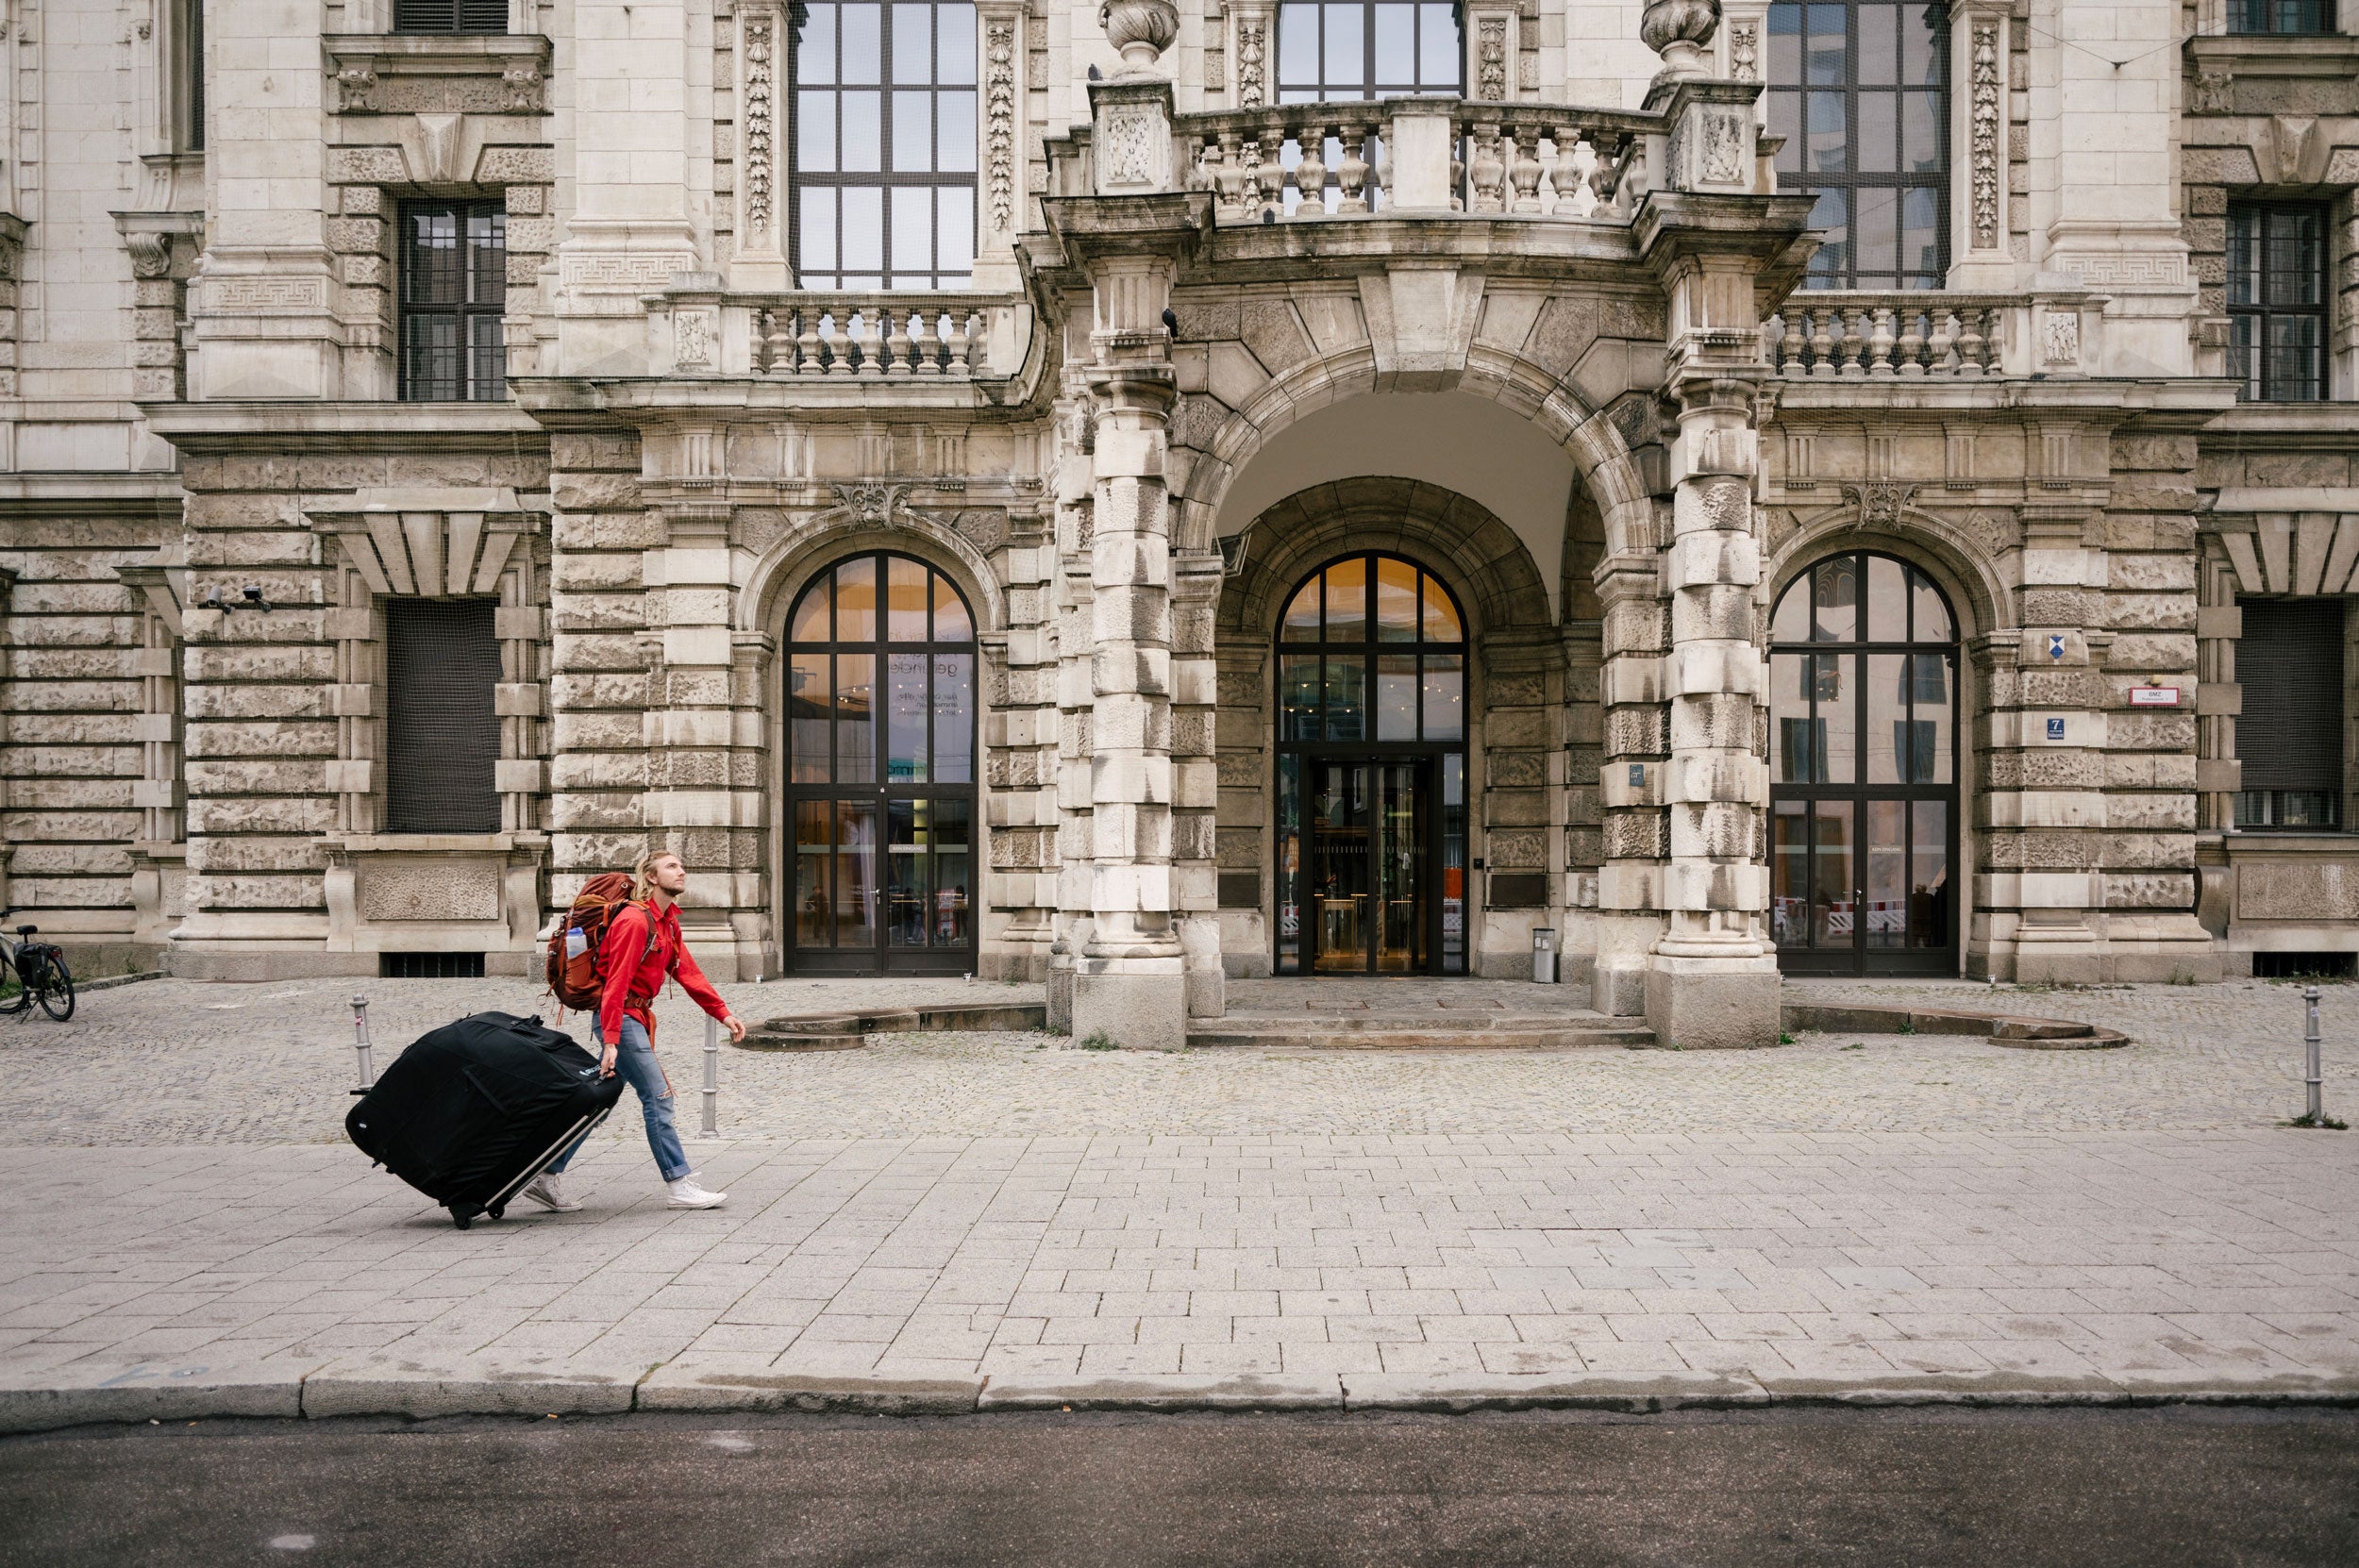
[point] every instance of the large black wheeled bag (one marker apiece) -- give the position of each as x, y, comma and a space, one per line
475, 1109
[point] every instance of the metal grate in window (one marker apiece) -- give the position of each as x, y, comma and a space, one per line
450, 16
442, 734
2289, 663
2277, 300
884, 143
430, 966
454, 289
1860, 89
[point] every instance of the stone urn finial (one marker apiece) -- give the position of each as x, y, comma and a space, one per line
1142, 29
1679, 30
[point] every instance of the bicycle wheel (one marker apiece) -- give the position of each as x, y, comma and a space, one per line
56, 989
19, 1000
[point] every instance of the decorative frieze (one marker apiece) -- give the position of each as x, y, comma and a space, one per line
438, 74
1984, 153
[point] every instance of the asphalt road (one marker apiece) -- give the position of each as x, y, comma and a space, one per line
2020, 1489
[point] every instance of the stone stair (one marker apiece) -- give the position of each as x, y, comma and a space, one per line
1323, 1025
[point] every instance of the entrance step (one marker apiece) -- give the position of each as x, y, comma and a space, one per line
1441, 1029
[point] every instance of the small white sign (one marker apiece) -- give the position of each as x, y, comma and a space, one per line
2153, 697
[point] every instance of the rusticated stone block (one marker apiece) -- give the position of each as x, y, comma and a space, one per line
263, 737
252, 891
255, 776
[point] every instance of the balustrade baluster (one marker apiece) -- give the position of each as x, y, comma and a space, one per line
1310, 174
1911, 350
1576, 182
1937, 348
924, 343
1523, 168
1773, 344
1822, 340
958, 345
1271, 176
897, 341
1970, 341
1489, 170
1879, 341
1351, 170
1851, 352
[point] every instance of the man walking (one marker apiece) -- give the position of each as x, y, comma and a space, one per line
643, 947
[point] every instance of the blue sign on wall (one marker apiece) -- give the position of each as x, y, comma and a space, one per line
2055, 729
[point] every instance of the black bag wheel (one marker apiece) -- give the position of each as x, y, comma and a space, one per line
461, 1218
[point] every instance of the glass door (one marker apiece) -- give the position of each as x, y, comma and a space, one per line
1372, 904
1864, 792
880, 770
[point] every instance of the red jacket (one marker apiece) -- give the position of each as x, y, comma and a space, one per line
635, 969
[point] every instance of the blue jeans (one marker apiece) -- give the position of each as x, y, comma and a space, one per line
635, 1060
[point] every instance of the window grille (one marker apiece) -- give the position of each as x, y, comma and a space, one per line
450, 16
441, 732
2277, 300
2281, 16
2289, 662
1340, 51
1860, 89
884, 144
454, 289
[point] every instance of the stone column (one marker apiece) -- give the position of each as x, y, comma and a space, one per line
1196, 783
1074, 527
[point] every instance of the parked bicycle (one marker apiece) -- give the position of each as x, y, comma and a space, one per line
39, 972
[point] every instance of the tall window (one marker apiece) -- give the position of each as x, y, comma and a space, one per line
880, 770
188, 69
1860, 89
441, 730
450, 16
2277, 300
454, 289
2281, 16
2289, 663
884, 144
1344, 50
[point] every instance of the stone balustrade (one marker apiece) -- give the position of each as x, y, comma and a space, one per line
1876, 334
869, 335
1290, 162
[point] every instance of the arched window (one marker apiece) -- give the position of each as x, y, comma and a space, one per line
884, 143
1860, 89
880, 770
1371, 773
1863, 771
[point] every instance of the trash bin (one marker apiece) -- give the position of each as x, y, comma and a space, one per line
1544, 954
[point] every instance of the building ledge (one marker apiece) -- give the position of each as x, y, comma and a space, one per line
369, 426
2332, 55
438, 73
431, 843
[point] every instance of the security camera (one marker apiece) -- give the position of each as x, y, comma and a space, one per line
253, 593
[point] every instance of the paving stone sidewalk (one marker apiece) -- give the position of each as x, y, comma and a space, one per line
1631, 1227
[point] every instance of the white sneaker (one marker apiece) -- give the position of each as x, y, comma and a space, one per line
687, 1194
545, 1190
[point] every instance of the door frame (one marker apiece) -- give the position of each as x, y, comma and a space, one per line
1424, 764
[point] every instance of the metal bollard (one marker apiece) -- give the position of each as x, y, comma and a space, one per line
361, 1040
713, 1078
2311, 1077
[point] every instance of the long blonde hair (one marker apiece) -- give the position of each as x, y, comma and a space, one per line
642, 875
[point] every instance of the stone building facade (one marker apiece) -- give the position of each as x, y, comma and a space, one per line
1148, 494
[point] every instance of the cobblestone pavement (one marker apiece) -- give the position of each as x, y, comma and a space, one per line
171, 1061
1006, 1213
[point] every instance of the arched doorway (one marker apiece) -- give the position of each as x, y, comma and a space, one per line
1371, 753
880, 770
1863, 771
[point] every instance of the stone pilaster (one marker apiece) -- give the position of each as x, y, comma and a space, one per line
1196, 783
1129, 982
1075, 848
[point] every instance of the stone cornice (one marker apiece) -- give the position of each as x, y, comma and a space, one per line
342, 426
438, 74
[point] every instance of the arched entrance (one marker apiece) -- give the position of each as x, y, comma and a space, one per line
1863, 771
1371, 773
880, 770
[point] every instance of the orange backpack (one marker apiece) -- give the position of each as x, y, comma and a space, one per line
575, 977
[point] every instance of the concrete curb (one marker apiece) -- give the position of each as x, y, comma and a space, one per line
378, 1388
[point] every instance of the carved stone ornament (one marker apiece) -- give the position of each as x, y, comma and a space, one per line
1000, 122
692, 339
355, 85
1724, 147
871, 502
1129, 150
2213, 90
1252, 53
1745, 51
761, 127
1140, 29
521, 79
1986, 136
2062, 338
1679, 30
1880, 503
1491, 58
